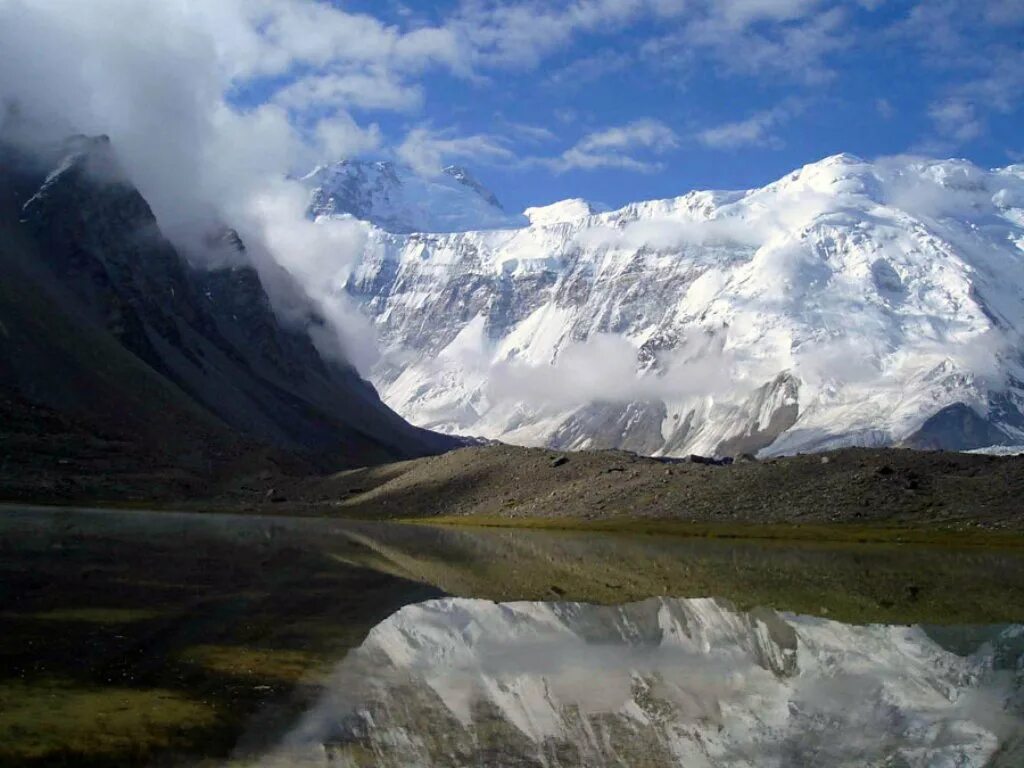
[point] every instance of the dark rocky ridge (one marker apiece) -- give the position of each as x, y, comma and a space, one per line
498, 484
106, 328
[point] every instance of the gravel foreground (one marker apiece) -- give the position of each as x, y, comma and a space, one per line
869, 487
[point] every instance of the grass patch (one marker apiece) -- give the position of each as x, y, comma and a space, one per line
95, 615
889, 581
53, 719
839, 532
209, 632
257, 663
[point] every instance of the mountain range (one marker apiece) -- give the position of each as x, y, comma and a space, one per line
847, 303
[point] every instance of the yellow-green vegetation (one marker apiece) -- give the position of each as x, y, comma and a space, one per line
189, 634
859, 583
260, 663
168, 639
53, 720
96, 615
838, 532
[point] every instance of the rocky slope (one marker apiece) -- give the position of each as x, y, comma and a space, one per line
875, 493
848, 303
113, 340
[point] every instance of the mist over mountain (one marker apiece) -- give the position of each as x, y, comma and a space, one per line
363, 364
116, 349
848, 303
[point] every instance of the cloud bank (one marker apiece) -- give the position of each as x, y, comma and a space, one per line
158, 82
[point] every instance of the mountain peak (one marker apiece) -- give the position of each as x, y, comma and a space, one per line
563, 210
847, 303
841, 158
460, 174
397, 199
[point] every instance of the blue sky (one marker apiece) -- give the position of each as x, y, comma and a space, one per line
619, 100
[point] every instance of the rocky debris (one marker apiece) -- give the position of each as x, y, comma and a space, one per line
709, 461
927, 489
559, 461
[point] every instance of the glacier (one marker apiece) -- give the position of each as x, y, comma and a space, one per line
688, 682
848, 303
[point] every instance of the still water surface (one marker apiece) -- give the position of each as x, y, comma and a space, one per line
316, 642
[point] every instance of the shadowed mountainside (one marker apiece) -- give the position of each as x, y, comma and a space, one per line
117, 356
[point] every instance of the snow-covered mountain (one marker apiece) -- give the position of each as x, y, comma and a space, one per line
563, 210
395, 198
849, 302
665, 682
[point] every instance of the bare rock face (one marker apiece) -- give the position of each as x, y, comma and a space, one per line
86, 243
957, 427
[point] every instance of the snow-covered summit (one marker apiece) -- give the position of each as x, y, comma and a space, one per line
563, 210
849, 302
395, 198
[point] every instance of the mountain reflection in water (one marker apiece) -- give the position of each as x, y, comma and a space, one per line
291, 641
664, 682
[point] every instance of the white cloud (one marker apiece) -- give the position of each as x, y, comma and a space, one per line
615, 147
318, 255
155, 82
369, 89
754, 131
589, 69
341, 136
604, 368
273, 36
522, 34
956, 119
536, 134
965, 41
670, 234
157, 79
755, 38
428, 151
652, 134
742, 13
961, 115
885, 108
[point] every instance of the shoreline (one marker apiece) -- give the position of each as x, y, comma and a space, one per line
836, 533
822, 533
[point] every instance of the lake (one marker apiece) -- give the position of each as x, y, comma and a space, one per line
174, 638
